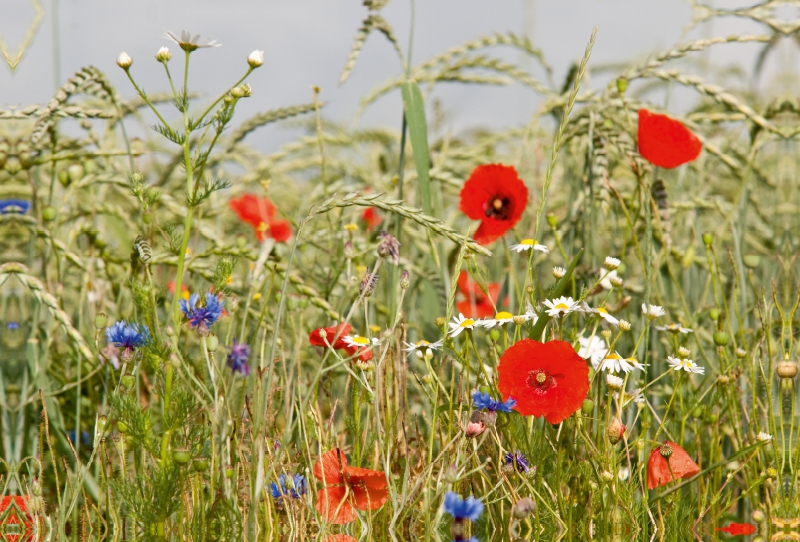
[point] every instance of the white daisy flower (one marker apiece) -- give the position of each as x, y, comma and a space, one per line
189, 43
608, 279
460, 323
763, 437
423, 348
611, 263
560, 306
603, 313
675, 328
636, 396
559, 272
685, 364
614, 382
359, 341
499, 319
527, 244
614, 363
653, 311
593, 348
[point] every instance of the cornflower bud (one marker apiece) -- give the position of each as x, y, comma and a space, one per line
405, 280
124, 61
389, 247
367, 287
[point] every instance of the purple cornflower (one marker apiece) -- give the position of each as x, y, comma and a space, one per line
389, 247
483, 400
280, 490
128, 337
205, 316
461, 509
12, 325
14, 205
238, 356
517, 461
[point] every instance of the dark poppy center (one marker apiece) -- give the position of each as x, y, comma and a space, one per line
497, 207
541, 380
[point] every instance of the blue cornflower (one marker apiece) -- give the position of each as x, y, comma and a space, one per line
482, 400
280, 490
469, 508
14, 205
202, 317
237, 359
128, 337
517, 461
12, 325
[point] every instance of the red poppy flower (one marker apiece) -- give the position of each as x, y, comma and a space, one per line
665, 142
476, 304
338, 332
496, 196
16, 523
371, 217
347, 488
736, 529
340, 538
680, 464
260, 213
546, 379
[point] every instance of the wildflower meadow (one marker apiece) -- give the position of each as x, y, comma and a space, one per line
582, 326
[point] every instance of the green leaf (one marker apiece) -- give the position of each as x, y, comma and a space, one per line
414, 109
561, 285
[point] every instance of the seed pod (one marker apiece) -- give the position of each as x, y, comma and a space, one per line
200, 464
181, 456
122, 427
587, 407
101, 320
786, 369
721, 338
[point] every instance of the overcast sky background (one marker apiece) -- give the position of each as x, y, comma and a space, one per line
306, 42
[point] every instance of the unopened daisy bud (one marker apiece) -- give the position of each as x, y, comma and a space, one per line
624, 325
771, 473
474, 429
163, 55
523, 508
237, 92
611, 263
684, 352
323, 334
365, 366
606, 476
349, 250
763, 437
124, 61
440, 321
405, 280
741, 352
606, 333
519, 319
559, 272
665, 450
616, 281
614, 382
255, 59
786, 369
102, 423
615, 431
758, 516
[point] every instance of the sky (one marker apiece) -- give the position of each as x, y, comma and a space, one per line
306, 42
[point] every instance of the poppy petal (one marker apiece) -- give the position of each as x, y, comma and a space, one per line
665, 142
334, 335
334, 506
330, 467
369, 499
280, 230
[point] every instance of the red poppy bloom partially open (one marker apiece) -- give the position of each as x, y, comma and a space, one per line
658, 470
371, 217
496, 196
337, 332
476, 304
347, 488
546, 379
665, 142
16, 523
260, 213
736, 529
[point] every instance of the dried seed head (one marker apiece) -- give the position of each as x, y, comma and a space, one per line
523, 508
124, 61
389, 247
786, 369
474, 429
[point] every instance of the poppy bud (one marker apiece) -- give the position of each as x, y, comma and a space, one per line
48, 213
751, 260
229, 472
587, 407
552, 220
615, 431
212, 342
708, 238
721, 338
122, 427
181, 456
101, 320
714, 314
75, 172
758, 516
495, 334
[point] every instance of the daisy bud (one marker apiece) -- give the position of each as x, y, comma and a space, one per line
49, 213
758, 516
163, 55
349, 250
771, 473
606, 333
451, 475
684, 352
786, 369
624, 325
614, 382
741, 352
519, 319
708, 238
616, 281
255, 59
763, 437
440, 322
615, 431
365, 366
405, 280
559, 272
523, 508
611, 263
607, 476
124, 61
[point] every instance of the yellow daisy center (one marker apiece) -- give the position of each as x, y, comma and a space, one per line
467, 322
423, 343
613, 356
503, 315
562, 306
527, 242
602, 311
361, 341
351, 227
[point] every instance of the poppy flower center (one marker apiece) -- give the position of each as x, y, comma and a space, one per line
497, 208
541, 380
